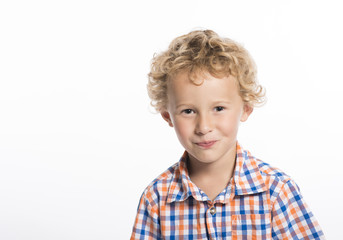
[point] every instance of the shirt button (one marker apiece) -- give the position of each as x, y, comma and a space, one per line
213, 211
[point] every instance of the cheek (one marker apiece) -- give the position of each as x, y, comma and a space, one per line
183, 129
230, 124
228, 129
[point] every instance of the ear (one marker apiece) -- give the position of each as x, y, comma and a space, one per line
166, 117
247, 110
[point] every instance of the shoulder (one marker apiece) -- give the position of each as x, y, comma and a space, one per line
276, 180
158, 189
164, 177
259, 176
270, 171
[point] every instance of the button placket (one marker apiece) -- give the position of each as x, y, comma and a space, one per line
210, 219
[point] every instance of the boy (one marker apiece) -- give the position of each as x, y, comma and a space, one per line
204, 86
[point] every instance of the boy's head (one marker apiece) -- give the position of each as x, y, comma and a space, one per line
200, 52
204, 86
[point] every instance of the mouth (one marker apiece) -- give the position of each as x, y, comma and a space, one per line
206, 144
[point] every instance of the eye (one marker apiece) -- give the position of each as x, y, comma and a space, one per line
219, 109
187, 111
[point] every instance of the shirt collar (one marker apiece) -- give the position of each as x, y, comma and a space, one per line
247, 176
247, 179
181, 186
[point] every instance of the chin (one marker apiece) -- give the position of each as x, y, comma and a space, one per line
204, 159
207, 161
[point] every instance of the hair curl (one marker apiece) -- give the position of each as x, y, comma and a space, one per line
204, 51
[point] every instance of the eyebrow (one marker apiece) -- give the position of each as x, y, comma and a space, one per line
222, 101
192, 105
184, 105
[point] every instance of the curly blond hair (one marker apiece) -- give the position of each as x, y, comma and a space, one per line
199, 52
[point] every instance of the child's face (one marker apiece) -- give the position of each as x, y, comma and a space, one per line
206, 117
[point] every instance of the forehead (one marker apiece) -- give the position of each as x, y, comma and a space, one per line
200, 87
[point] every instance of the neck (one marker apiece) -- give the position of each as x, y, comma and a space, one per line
220, 170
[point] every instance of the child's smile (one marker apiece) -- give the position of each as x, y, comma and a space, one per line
206, 144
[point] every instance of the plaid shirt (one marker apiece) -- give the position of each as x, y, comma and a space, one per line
260, 202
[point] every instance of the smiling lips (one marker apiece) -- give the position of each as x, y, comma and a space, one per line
206, 145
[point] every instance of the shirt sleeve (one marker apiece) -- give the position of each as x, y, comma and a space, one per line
291, 217
146, 226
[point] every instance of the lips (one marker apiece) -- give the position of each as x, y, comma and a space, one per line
206, 144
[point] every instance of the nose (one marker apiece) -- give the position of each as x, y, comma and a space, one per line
204, 124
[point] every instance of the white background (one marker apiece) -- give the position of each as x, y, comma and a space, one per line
79, 142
